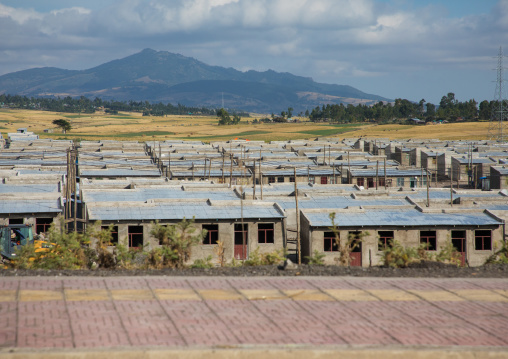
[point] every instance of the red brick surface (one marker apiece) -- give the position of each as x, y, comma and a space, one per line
96, 322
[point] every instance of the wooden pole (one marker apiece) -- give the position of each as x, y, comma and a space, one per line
386, 185
222, 166
428, 191
297, 222
451, 188
260, 179
348, 169
377, 173
231, 171
75, 153
254, 179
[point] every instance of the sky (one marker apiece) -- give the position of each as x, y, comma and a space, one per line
412, 49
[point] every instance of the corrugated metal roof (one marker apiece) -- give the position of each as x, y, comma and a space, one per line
389, 172
402, 217
338, 202
145, 194
119, 172
33, 205
28, 188
300, 172
166, 211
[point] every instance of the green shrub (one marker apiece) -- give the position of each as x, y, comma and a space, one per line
500, 256
125, 257
203, 263
67, 251
397, 256
179, 239
260, 259
316, 258
449, 254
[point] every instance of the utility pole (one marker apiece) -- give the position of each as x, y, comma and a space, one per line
299, 248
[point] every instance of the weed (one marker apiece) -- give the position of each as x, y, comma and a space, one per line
104, 258
203, 263
316, 258
397, 256
449, 254
125, 257
161, 257
220, 251
500, 256
260, 259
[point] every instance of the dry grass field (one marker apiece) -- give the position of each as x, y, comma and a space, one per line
134, 126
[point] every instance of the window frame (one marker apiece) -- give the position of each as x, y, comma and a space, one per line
329, 242
265, 231
477, 237
428, 240
385, 241
212, 234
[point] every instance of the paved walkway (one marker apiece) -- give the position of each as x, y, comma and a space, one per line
58, 314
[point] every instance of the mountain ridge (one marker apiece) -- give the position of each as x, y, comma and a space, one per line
162, 76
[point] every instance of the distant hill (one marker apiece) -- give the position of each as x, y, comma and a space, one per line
161, 76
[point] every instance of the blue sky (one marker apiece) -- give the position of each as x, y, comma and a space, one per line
410, 49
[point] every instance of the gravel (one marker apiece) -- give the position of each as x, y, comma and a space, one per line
419, 270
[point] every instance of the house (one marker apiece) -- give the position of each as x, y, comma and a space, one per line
376, 178
475, 234
260, 228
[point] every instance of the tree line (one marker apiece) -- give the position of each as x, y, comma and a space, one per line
83, 104
449, 109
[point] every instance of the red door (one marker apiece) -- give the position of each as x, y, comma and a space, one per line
240, 239
240, 251
324, 180
356, 255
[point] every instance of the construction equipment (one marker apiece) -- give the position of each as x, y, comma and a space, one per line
14, 236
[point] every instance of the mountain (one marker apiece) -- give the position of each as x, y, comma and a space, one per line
161, 76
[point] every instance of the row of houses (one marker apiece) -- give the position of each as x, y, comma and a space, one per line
251, 196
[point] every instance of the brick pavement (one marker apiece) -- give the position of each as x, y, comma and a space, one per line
177, 312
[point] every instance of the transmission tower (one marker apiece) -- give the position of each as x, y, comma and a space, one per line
498, 130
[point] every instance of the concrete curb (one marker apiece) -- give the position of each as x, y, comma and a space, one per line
286, 352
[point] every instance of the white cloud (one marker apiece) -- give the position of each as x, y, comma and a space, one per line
329, 40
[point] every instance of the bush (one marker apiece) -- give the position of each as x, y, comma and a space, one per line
500, 256
261, 259
178, 240
316, 258
67, 251
203, 263
398, 256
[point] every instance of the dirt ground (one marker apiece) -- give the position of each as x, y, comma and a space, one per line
424, 269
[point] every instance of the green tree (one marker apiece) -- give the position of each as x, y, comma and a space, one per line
224, 118
177, 241
63, 124
485, 110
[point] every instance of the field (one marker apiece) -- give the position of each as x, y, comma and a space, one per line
134, 126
